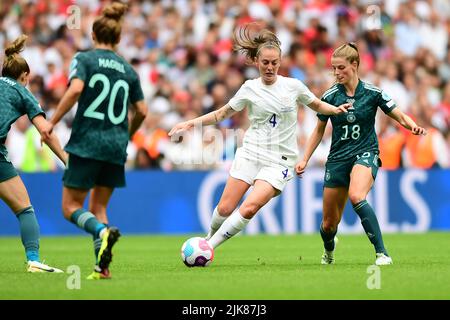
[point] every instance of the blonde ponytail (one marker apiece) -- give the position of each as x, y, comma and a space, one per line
14, 65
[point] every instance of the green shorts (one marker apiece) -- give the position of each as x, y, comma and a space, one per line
7, 170
84, 173
337, 174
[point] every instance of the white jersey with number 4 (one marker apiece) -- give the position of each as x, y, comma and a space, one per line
272, 111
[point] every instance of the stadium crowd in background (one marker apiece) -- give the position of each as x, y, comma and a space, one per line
182, 51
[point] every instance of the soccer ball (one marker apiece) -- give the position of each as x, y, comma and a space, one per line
196, 252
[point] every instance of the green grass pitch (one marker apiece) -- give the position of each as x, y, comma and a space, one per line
246, 267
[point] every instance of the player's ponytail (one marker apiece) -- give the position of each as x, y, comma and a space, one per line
250, 42
347, 51
108, 27
13, 64
115, 11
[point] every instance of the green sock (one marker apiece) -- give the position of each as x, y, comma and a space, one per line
87, 221
29, 232
328, 239
370, 224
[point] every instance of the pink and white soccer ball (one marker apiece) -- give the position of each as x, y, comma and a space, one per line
196, 252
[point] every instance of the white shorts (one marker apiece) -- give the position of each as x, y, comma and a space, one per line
250, 170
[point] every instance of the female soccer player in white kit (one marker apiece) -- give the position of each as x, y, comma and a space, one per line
269, 152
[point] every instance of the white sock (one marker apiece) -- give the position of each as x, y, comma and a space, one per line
235, 223
216, 222
102, 233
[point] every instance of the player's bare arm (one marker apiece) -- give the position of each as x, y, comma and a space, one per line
311, 145
41, 124
328, 109
406, 122
223, 113
141, 111
205, 120
67, 102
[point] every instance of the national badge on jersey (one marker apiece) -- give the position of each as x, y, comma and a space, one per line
350, 114
351, 117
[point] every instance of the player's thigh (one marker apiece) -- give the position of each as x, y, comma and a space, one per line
244, 169
276, 175
242, 175
99, 199
260, 195
361, 181
334, 200
232, 195
14, 193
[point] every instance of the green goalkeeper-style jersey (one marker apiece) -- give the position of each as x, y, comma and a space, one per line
354, 132
15, 101
100, 127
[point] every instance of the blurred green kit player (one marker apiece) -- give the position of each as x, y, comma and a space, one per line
104, 85
16, 101
353, 161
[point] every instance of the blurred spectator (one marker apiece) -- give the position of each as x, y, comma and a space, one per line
37, 157
391, 85
391, 141
407, 37
444, 105
149, 138
429, 151
182, 51
144, 161
434, 34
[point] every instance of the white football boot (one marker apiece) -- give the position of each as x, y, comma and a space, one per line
328, 256
35, 266
383, 260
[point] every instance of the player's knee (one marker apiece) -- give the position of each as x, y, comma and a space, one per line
248, 210
68, 210
97, 209
329, 225
225, 209
20, 205
356, 197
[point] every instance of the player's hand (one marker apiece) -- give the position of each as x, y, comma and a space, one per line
342, 108
300, 168
180, 128
418, 131
46, 131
